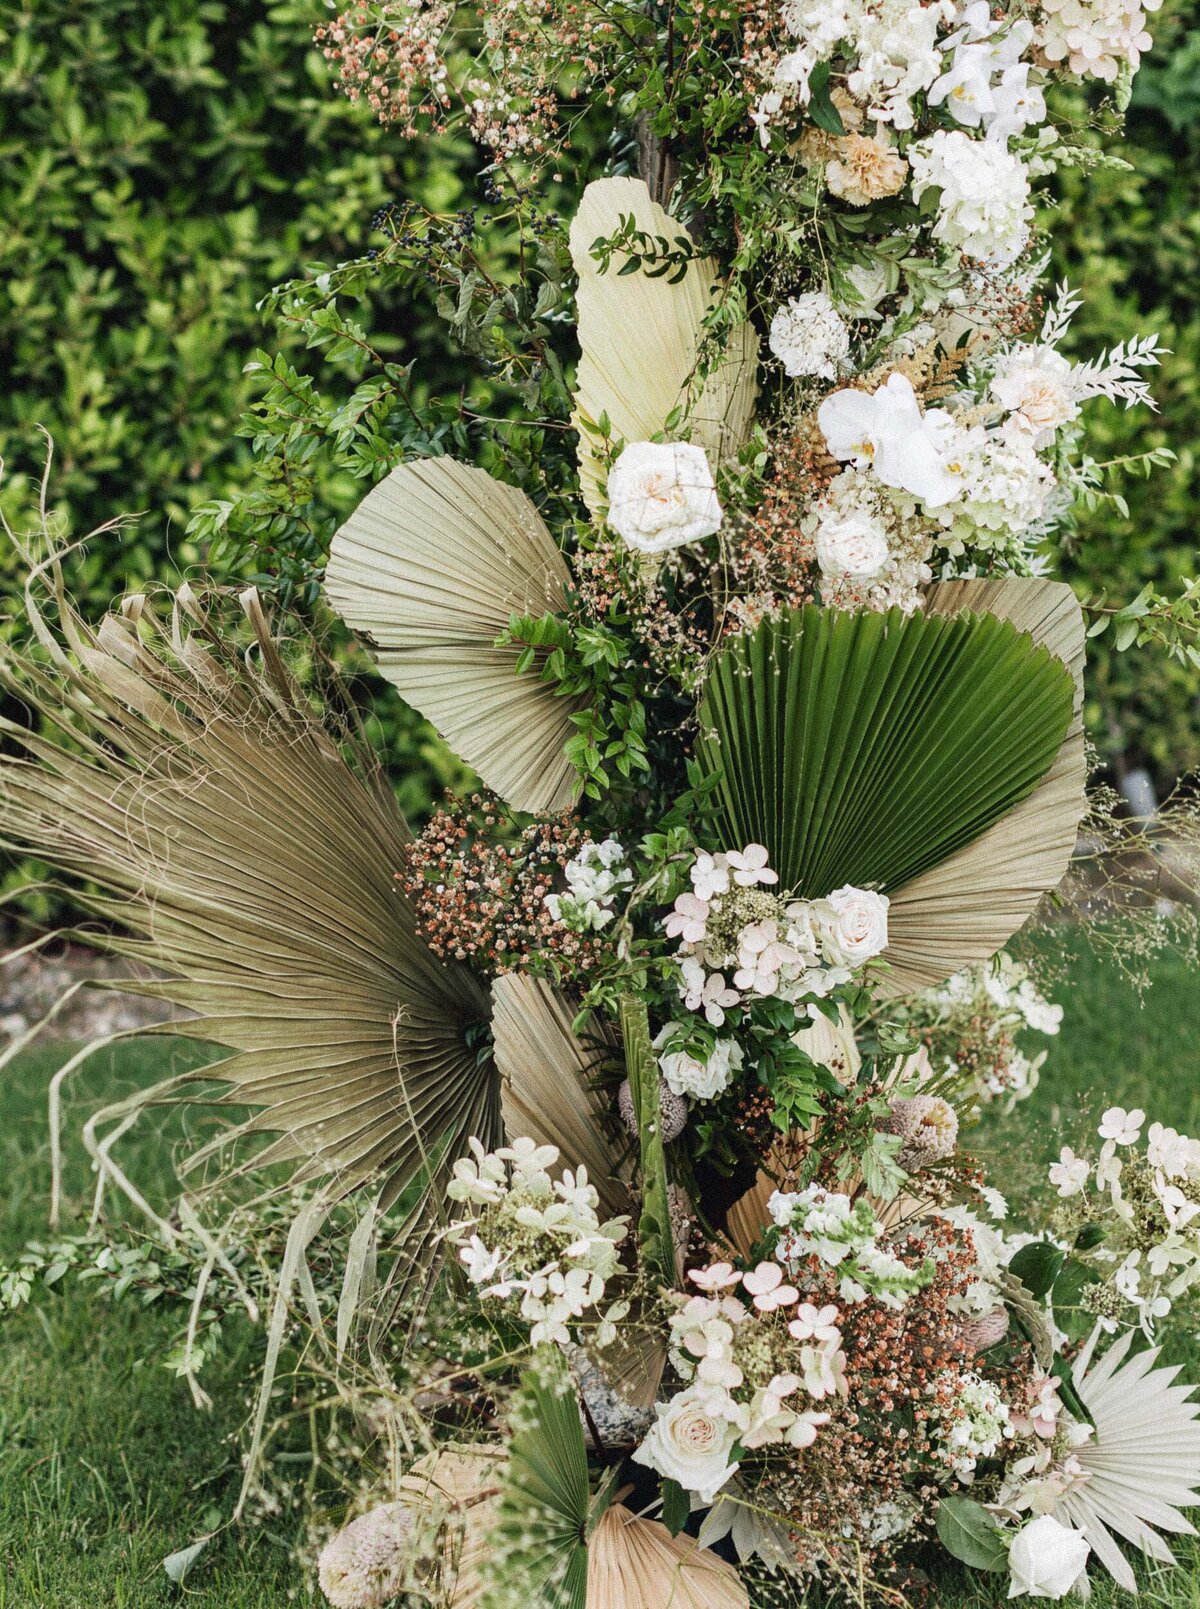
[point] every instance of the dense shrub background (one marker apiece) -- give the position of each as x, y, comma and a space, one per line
1131, 241
163, 163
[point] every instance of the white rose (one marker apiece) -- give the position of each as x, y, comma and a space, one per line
661, 495
1046, 1559
690, 1444
686, 1074
855, 925
851, 544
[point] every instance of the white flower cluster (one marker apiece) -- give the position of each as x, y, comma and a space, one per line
977, 487
754, 1366
987, 85
1096, 38
739, 942
535, 1241
815, 1222
975, 1427
698, 1070
810, 337
999, 1000
1148, 1201
984, 206
595, 877
870, 553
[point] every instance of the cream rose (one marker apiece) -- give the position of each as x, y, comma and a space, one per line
1046, 1559
854, 925
852, 544
1039, 394
690, 1444
661, 495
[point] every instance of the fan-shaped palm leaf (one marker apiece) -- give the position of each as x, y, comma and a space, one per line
428, 570
969, 906
640, 341
867, 748
1142, 1464
251, 857
635, 1563
545, 1499
545, 1082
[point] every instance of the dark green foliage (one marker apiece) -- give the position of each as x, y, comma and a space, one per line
1130, 241
925, 731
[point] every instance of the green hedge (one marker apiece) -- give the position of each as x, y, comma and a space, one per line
163, 163
1131, 242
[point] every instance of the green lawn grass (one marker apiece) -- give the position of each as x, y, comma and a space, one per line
106, 1467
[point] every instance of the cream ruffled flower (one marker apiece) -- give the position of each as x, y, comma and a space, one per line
865, 169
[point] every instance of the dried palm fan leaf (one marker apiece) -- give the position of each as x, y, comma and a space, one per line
637, 1564
452, 1492
247, 853
1141, 1465
429, 569
545, 1071
969, 906
868, 748
640, 341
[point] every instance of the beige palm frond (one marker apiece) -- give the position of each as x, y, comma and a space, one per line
545, 1072
428, 570
452, 1494
969, 906
637, 1564
640, 341
1141, 1465
248, 852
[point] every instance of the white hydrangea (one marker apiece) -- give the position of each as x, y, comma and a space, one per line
984, 210
536, 1241
1003, 488
810, 337
595, 877
870, 552
1096, 38
845, 1235
975, 1427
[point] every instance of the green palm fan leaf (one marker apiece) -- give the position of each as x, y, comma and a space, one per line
429, 569
867, 748
640, 340
246, 850
969, 906
545, 1500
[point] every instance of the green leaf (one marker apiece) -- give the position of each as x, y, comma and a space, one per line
178, 1564
543, 1508
654, 1224
968, 1531
1037, 1266
821, 108
676, 1506
865, 748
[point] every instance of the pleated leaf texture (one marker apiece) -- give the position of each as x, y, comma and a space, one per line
640, 342
865, 748
428, 570
546, 1498
249, 852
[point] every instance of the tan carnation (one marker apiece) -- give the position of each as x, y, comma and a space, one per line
865, 169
